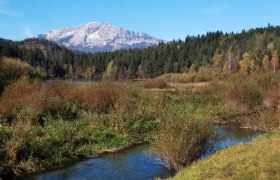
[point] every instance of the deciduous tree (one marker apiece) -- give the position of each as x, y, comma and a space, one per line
275, 61
247, 65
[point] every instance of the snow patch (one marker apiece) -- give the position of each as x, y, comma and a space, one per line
98, 36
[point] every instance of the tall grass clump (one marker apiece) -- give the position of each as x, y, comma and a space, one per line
265, 120
272, 97
247, 93
266, 80
44, 125
29, 148
194, 77
157, 83
61, 101
180, 141
20, 95
103, 97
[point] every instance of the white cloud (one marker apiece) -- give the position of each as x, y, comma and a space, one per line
27, 32
214, 10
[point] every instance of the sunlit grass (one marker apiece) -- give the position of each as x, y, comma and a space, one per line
256, 160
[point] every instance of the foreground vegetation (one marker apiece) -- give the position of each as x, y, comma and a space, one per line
256, 160
46, 125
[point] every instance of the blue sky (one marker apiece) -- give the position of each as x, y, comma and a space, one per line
164, 19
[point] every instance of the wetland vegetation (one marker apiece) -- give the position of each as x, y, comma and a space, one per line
202, 85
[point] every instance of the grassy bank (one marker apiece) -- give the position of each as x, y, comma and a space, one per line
26, 149
47, 125
256, 160
251, 102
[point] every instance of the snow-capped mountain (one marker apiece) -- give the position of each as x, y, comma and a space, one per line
98, 36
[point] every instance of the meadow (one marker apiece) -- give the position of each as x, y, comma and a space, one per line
46, 125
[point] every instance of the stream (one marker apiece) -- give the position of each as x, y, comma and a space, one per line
133, 163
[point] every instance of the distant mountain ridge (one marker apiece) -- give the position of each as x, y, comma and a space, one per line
99, 36
171, 57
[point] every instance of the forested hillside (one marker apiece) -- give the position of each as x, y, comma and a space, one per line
224, 50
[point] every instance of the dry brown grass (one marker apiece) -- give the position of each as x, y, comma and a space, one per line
97, 98
248, 93
265, 120
20, 94
272, 97
101, 97
157, 83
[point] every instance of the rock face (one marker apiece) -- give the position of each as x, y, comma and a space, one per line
98, 36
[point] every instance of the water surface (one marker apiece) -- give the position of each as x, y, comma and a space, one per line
133, 163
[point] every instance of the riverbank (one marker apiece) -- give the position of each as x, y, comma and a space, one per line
130, 163
134, 159
45, 125
256, 160
71, 162
48, 125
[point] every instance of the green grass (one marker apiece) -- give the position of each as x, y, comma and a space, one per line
256, 160
48, 125
71, 122
40, 147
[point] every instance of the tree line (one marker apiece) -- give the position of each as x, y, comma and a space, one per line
231, 52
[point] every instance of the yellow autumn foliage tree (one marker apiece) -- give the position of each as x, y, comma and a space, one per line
247, 64
108, 75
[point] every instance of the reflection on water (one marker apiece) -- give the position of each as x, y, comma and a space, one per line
229, 135
133, 163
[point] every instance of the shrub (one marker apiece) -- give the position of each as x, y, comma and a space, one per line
200, 78
24, 149
248, 93
137, 117
12, 69
272, 97
265, 120
189, 78
21, 94
62, 101
266, 80
155, 83
180, 141
102, 97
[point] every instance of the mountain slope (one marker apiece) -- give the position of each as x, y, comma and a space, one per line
97, 36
